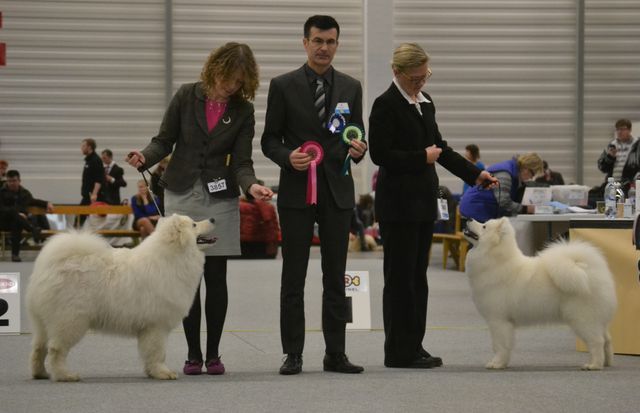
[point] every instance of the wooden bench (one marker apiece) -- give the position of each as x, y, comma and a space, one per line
76, 211
454, 244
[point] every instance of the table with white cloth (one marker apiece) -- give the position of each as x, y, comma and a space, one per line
533, 231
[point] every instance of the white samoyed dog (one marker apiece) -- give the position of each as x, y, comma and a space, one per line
80, 282
566, 283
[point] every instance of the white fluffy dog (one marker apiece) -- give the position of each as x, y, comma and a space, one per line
567, 282
80, 282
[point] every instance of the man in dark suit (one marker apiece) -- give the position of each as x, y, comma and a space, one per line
113, 178
406, 143
299, 106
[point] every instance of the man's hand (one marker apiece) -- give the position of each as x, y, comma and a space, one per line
433, 153
299, 160
357, 149
49, 207
486, 180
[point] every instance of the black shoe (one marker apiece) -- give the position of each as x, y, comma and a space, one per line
292, 364
16, 258
339, 363
418, 363
436, 361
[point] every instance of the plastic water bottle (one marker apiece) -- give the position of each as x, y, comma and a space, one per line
610, 199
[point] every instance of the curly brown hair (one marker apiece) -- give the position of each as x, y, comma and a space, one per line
224, 62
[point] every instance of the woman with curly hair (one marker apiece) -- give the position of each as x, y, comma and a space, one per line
208, 128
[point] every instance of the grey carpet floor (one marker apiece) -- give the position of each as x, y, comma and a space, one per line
544, 375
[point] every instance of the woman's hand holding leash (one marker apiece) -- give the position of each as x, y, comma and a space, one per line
260, 192
486, 180
135, 159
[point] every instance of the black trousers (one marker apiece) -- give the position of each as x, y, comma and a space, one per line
12, 221
215, 308
406, 291
297, 232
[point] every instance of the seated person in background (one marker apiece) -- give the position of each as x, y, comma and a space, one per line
145, 213
157, 185
620, 158
482, 204
356, 229
14, 201
472, 153
365, 210
550, 177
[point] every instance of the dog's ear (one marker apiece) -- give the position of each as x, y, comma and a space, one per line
504, 227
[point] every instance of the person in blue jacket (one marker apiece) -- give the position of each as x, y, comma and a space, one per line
482, 205
145, 211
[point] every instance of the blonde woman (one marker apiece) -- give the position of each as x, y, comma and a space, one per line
483, 205
405, 142
208, 128
145, 212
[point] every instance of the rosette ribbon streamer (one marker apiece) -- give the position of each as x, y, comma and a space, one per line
314, 149
349, 133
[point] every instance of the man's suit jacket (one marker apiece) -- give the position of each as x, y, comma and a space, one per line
225, 153
407, 187
292, 119
111, 190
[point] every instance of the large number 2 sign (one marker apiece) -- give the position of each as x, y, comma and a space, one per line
9, 303
4, 307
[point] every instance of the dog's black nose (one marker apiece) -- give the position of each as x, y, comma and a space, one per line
212, 220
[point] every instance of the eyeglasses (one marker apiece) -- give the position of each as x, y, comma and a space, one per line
419, 79
318, 42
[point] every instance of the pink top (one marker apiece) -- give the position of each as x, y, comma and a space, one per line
214, 111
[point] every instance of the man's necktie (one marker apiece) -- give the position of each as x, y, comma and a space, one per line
319, 99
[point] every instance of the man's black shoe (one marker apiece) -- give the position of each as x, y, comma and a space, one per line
339, 363
436, 361
292, 364
418, 363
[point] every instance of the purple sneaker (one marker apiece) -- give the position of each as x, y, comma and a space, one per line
215, 366
192, 367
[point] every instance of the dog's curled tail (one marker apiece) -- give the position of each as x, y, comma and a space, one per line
568, 263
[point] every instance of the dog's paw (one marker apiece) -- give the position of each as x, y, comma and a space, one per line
40, 375
590, 366
67, 377
162, 373
495, 365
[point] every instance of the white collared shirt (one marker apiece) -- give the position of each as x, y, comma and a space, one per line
416, 103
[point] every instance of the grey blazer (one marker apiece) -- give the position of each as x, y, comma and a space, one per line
225, 153
291, 119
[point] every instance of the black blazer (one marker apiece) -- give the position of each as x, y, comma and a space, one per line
111, 190
225, 153
407, 187
291, 119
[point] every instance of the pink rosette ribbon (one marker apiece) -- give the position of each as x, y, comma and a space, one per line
314, 149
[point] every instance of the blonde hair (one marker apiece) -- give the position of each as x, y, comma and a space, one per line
532, 162
224, 62
138, 199
407, 56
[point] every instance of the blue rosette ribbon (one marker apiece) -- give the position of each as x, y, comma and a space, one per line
336, 123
